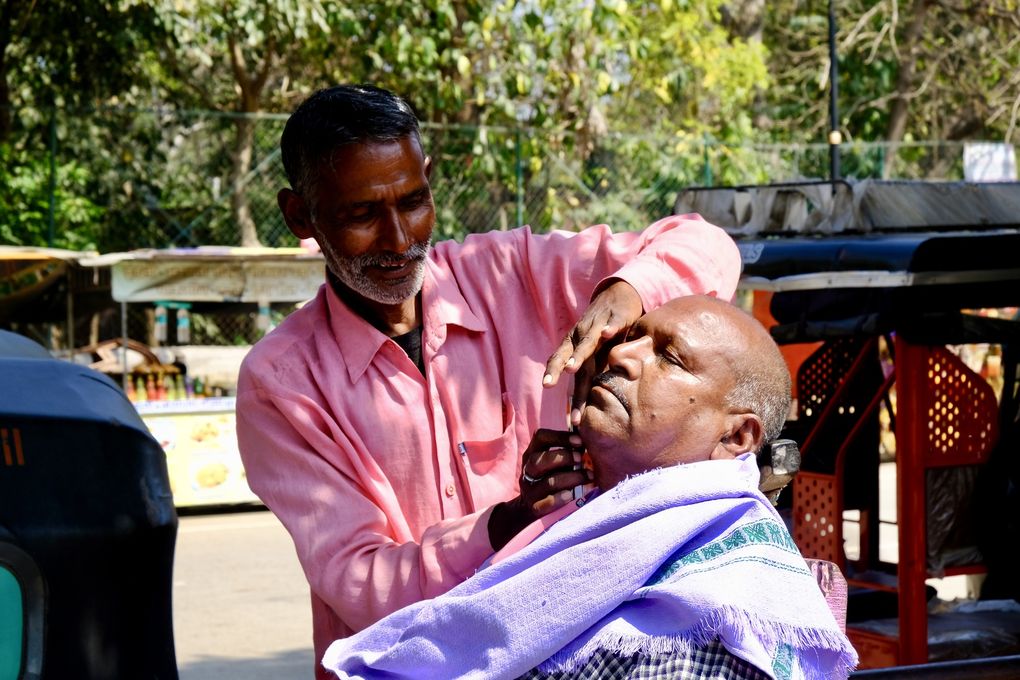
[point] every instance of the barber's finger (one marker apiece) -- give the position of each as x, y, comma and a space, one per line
550, 503
585, 347
550, 462
561, 480
582, 386
558, 361
589, 335
545, 439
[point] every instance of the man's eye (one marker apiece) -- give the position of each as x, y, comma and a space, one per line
670, 359
414, 202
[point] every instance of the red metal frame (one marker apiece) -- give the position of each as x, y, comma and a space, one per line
946, 415
910, 502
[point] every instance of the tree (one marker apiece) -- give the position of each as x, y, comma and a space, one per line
241, 56
47, 60
930, 69
566, 74
53, 70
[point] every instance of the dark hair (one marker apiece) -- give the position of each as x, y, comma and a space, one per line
338, 116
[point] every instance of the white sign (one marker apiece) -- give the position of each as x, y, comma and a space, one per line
989, 162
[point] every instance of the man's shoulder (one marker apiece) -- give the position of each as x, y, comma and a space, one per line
494, 240
287, 344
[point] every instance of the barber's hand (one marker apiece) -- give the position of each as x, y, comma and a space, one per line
609, 315
547, 481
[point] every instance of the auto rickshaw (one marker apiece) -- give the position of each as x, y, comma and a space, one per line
87, 526
875, 288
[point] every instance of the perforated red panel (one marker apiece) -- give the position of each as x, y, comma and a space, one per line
817, 527
820, 375
962, 413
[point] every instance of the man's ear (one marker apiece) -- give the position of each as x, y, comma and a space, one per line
295, 213
743, 433
428, 167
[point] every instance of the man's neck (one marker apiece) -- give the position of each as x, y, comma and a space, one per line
392, 320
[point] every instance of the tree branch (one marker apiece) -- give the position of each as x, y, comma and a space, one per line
237, 65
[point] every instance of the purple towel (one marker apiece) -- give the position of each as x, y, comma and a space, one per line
665, 561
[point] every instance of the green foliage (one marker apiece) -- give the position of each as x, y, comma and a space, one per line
25, 203
555, 112
952, 68
569, 75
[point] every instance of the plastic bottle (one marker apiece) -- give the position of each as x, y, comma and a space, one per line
150, 387
131, 394
159, 327
199, 387
179, 387
140, 393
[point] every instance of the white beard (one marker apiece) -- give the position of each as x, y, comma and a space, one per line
351, 272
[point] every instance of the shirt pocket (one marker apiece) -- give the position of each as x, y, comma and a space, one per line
496, 457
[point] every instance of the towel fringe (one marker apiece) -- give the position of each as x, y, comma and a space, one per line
736, 621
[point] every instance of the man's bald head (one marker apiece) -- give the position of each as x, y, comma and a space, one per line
696, 379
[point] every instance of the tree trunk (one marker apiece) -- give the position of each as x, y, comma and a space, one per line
907, 68
240, 158
250, 92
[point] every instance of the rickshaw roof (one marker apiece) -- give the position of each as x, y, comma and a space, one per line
874, 257
53, 389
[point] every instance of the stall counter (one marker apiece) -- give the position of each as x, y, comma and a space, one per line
200, 442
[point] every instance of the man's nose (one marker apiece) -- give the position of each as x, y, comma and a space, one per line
626, 358
395, 232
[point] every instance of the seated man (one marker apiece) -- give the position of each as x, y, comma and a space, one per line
678, 567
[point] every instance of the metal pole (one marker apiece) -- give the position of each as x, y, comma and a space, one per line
53, 174
834, 135
124, 346
70, 313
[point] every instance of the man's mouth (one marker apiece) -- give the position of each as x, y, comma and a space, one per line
395, 270
609, 382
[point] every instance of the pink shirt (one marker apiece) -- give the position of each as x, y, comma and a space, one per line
385, 478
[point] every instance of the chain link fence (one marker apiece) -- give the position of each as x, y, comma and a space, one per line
122, 179
130, 179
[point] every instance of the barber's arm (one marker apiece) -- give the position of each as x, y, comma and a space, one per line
358, 554
548, 476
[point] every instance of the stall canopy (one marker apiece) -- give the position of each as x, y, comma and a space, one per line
214, 274
37, 284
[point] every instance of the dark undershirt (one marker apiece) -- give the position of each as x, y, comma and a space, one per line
411, 344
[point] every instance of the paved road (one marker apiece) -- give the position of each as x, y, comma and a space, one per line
240, 600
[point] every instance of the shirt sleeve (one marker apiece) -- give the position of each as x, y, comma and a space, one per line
675, 256
356, 549
682, 255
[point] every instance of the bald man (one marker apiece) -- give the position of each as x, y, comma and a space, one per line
676, 567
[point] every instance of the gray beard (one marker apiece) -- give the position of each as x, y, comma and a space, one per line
351, 272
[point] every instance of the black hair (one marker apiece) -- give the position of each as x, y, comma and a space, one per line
339, 116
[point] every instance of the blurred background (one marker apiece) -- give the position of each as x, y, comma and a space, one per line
155, 123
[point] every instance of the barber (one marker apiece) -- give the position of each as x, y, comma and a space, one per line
386, 422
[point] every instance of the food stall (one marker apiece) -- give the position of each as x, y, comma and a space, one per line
47, 294
889, 282
185, 392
